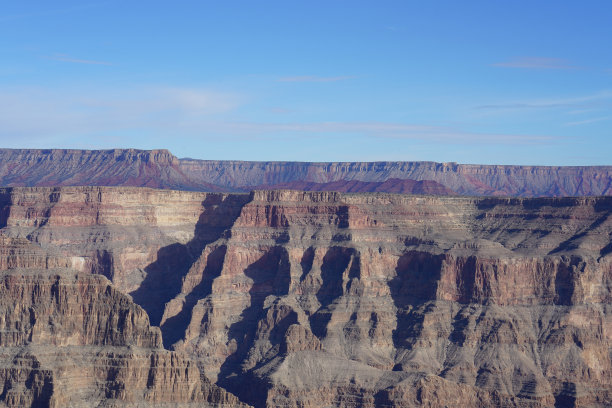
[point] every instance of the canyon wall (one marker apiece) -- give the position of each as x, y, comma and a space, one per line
312, 299
71, 338
464, 179
160, 169
115, 167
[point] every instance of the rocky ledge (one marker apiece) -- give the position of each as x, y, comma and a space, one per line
306, 299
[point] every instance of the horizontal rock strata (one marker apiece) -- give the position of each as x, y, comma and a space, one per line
392, 185
69, 338
304, 299
160, 169
464, 179
115, 167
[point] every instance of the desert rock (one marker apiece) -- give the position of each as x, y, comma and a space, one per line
319, 299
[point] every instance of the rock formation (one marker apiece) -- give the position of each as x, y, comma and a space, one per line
393, 185
69, 338
306, 299
160, 169
116, 167
464, 179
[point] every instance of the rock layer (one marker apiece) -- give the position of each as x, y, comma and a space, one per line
115, 167
71, 339
307, 299
464, 179
160, 169
392, 185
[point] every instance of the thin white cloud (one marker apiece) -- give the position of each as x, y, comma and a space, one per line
78, 116
587, 121
313, 78
196, 101
581, 111
31, 112
385, 130
536, 63
577, 101
67, 58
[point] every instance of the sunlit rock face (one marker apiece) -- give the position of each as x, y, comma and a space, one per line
463, 179
307, 299
72, 338
161, 169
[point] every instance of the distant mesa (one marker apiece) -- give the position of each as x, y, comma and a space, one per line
161, 169
392, 185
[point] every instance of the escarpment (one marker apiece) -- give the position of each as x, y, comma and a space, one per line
69, 338
161, 169
308, 299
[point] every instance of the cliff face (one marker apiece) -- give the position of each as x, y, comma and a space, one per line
393, 185
302, 299
160, 169
464, 179
72, 339
117, 167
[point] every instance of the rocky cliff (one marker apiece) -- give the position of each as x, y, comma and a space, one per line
160, 169
464, 179
304, 299
116, 167
392, 185
72, 339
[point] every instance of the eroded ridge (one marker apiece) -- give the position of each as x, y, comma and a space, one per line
70, 338
161, 169
354, 300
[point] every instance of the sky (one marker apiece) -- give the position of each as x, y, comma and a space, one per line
485, 82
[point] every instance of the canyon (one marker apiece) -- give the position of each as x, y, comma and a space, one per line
161, 169
132, 296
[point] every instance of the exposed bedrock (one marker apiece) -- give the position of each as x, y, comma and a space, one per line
114, 167
70, 338
160, 169
302, 299
465, 179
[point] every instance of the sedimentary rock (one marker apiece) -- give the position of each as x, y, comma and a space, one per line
392, 185
69, 338
115, 167
160, 169
306, 299
464, 179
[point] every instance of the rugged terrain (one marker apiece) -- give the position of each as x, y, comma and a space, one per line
463, 179
160, 169
304, 299
69, 338
116, 167
392, 185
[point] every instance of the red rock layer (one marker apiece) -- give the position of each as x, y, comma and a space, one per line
464, 179
426, 187
116, 167
160, 169
356, 300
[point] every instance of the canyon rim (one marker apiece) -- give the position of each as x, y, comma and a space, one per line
126, 295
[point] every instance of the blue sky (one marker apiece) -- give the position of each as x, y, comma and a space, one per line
521, 82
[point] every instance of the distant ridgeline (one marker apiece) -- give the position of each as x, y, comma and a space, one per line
161, 169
